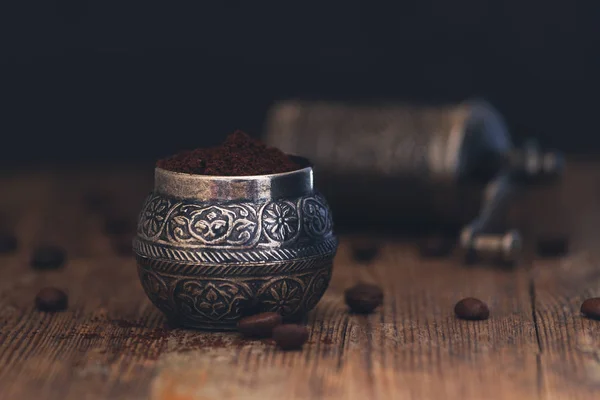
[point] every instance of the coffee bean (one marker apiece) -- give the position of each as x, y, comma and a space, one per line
364, 251
290, 336
122, 245
8, 243
591, 308
118, 226
259, 325
436, 245
471, 309
97, 201
51, 299
363, 298
552, 246
48, 257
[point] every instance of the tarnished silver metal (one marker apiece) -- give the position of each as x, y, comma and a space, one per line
530, 163
211, 248
480, 238
402, 164
398, 162
497, 197
505, 247
445, 143
224, 188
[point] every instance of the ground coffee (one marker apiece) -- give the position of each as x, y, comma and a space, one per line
259, 325
290, 336
471, 309
363, 298
239, 155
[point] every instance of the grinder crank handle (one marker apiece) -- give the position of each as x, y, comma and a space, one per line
480, 238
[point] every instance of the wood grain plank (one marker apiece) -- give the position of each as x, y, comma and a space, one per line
112, 343
570, 343
46, 349
413, 347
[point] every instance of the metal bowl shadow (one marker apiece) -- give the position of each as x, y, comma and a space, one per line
211, 249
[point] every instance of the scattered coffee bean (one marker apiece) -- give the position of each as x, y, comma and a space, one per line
8, 243
122, 245
364, 251
97, 201
118, 226
363, 298
591, 308
48, 257
259, 325
436, 245
471, 309
290, 336
51, 299
552, 246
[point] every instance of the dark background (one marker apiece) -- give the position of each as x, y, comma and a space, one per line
120, 80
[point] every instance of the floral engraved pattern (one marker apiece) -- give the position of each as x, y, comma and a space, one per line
281, 222
218, 300
213, 225
153, 216
316, 217
284, 296
211, 300
142, 215
204, 264
317, 288
185, 224
157, 289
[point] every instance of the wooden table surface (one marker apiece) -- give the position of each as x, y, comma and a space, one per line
113, 344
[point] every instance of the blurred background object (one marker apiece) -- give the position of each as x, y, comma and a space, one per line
94, 80
402, 162
395, 164
406, 166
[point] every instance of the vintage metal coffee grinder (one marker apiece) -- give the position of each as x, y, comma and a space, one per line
409, 165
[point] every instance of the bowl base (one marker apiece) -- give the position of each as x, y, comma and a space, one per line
300, 318
203, 326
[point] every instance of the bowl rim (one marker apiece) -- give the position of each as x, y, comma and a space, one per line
218, 188
306, 164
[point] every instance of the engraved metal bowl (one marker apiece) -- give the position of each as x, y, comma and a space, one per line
211, 248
